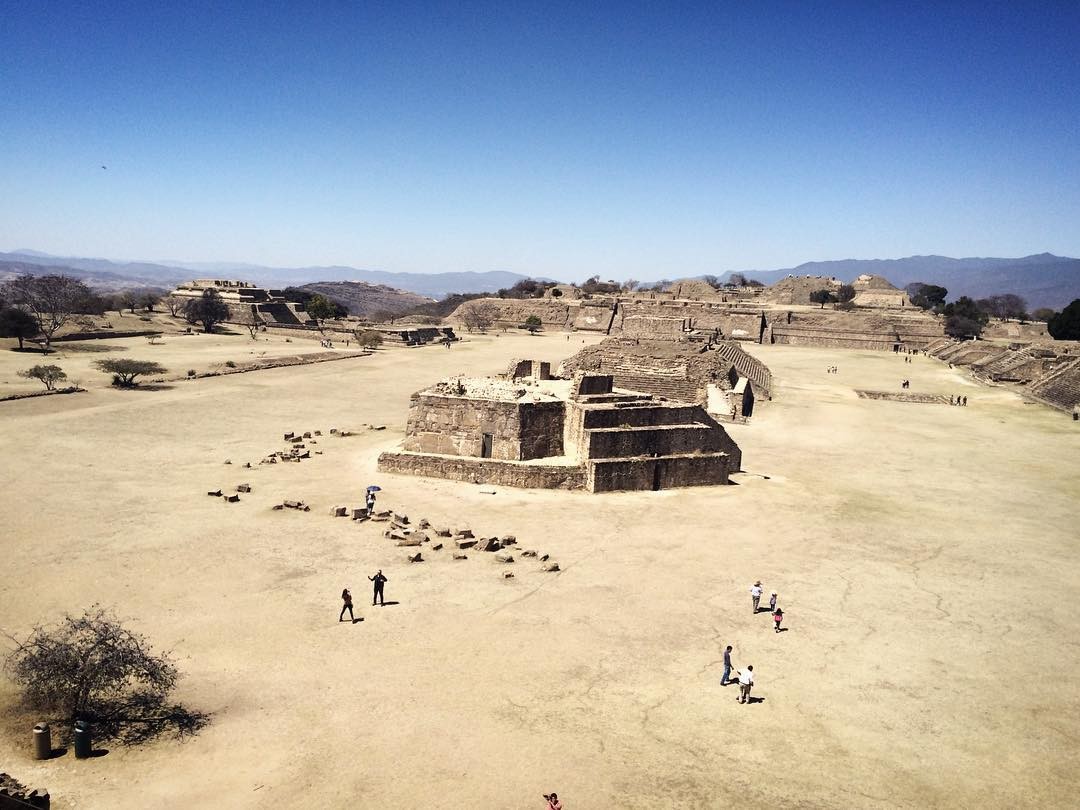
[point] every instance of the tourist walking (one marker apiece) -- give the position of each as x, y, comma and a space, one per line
346, 597
755, 594
370, 502
727, 667
379, 581
777, 617
772, 601
746, 683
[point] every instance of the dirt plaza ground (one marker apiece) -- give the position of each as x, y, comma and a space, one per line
925, 557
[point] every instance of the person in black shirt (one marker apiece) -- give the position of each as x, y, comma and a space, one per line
379, 580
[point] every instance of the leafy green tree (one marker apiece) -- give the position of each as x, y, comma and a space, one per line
963, 318
320, 308
926, 296
1065, 325
1043, 314
48, 376
208, 309
125, 371
533, 323
14, 323
822, 297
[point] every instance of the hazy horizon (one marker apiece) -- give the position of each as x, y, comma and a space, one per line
546, 142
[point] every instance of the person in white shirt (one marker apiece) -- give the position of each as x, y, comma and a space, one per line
755, 594
746, 682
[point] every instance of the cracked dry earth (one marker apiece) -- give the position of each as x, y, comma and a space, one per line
925, 557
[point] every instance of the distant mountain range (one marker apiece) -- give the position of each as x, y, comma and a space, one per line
109, 275
1044, 280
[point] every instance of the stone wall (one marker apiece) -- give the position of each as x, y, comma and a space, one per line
455, 426
552, 313
485, 471
653, 327
666, 473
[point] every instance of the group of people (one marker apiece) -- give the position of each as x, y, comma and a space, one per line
379, 581
326, 343
832, 370
755, 597
962, 401
907, 358
746, 675
905, 383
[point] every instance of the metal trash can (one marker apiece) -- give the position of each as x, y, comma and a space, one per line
42, 741
83, 744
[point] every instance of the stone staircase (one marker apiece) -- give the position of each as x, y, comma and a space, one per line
747, 365
647, 444
1061, 388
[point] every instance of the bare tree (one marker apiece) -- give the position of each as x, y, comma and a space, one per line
251, 321
91, 667
479, 316
368, 338
51, 300
630, 285
48, 376
173, 303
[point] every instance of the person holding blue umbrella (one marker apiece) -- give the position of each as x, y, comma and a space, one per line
371, 498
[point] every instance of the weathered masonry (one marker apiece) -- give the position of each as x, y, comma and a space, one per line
527, 429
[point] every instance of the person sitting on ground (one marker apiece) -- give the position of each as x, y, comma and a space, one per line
777, 617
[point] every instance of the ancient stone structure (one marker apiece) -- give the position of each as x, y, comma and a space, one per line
881, 317
1048, 371
244, 299
527, 429
883, 331
718, 375
875, 292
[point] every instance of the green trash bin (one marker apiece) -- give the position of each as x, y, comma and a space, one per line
42, 741
84, 745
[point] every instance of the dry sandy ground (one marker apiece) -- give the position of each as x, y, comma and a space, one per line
925, 556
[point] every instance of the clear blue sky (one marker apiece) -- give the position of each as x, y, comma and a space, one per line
625, 139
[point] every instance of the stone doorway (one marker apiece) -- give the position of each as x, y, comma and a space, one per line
486, 440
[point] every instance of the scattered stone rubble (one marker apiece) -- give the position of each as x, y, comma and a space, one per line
13, 789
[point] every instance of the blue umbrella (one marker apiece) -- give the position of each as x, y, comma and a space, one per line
374, 488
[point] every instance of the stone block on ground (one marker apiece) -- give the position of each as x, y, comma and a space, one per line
551, 567
402, 519
278, 506
408, 541
423, 524
339, 511
504, 558
508, 574
318, 433
436, 547
307, 434
232, 498
489, 544
215, 493
528, 553
545, 557
464, 533
442, 531
289, 437
243, 487
459, 556
293, 504
417, 557
508, 540
360, 514
464, 543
